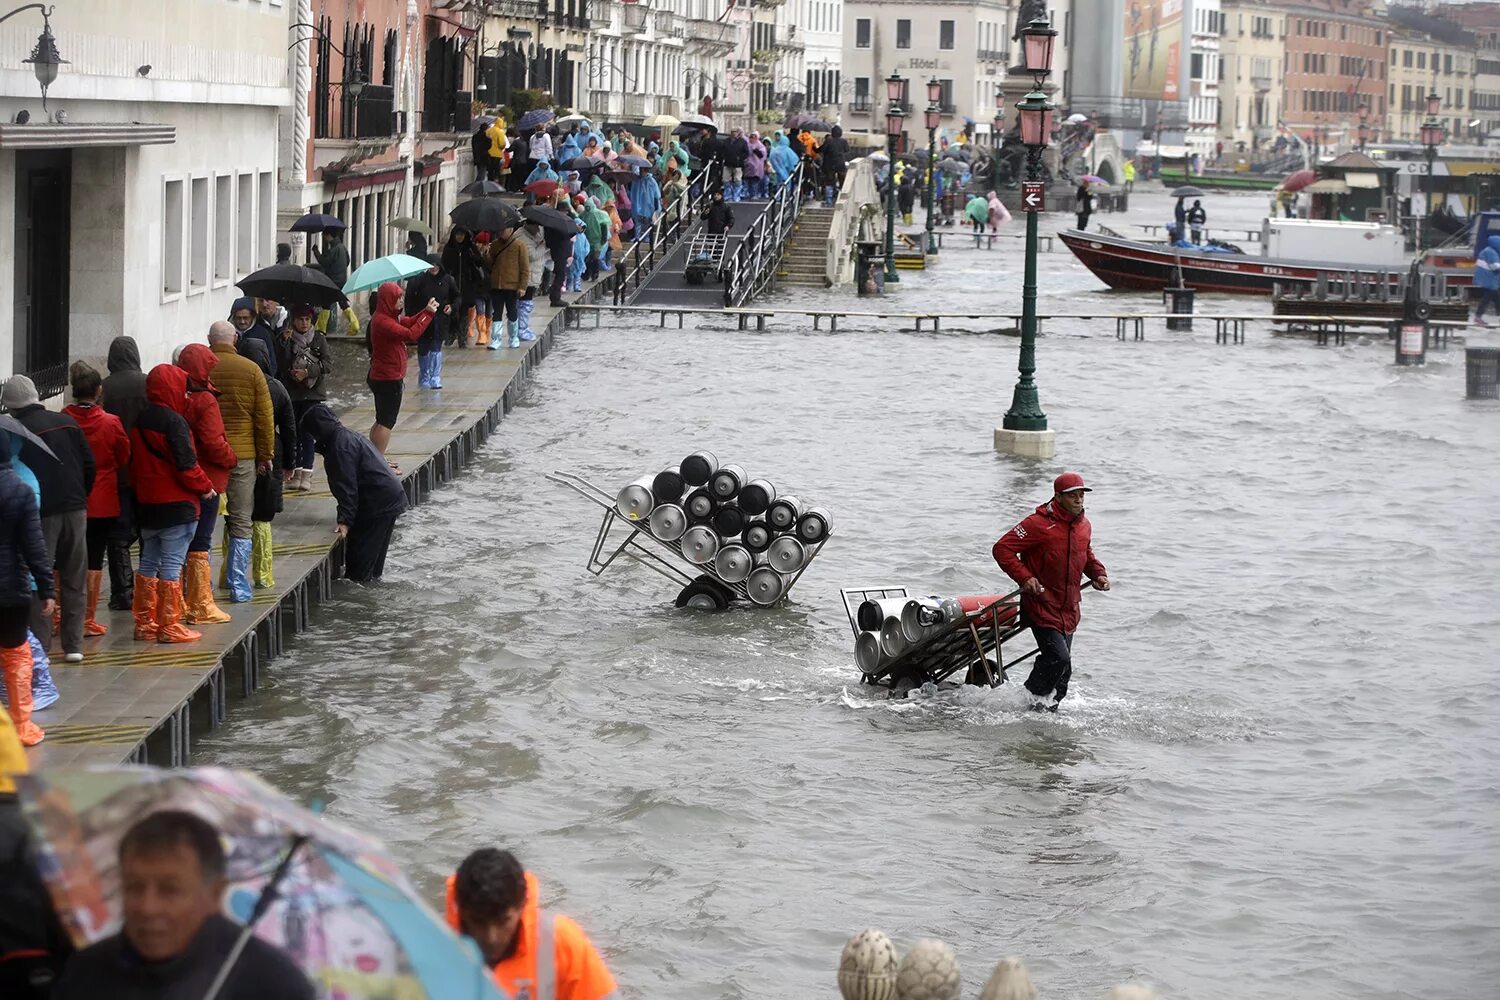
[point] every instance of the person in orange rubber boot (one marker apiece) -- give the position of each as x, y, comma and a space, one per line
169, 486
111, 447
25, 573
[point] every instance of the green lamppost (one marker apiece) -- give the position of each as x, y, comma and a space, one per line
1432, 138
895, 93
998, 125
933, 118
1035, 114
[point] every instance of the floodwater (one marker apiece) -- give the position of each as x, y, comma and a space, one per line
1275, 775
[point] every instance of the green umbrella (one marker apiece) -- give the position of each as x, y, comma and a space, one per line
378, 272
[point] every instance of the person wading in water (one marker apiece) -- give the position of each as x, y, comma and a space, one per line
1048, 554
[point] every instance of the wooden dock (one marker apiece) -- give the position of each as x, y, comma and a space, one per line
144, 702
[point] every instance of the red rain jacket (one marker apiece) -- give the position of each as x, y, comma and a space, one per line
1055, 548
390, 333
111, 447
215, 455
163, 467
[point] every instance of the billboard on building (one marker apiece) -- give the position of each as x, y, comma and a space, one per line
1152, 65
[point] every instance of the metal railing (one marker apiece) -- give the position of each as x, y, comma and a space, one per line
640, 261
759, 252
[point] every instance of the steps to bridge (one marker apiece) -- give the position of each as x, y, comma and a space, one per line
804, 257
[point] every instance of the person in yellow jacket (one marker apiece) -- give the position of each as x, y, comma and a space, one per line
510, 274
250, 426
532, 952
498, 155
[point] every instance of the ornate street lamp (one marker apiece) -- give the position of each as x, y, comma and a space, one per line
933, 117
1432, 138
1364, 126
44, 58
895, 115
1035, 114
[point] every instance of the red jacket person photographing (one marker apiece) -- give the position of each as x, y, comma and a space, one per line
1048, 554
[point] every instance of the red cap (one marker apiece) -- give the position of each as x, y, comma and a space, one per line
1068, 482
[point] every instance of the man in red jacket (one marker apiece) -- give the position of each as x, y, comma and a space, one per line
1048, 554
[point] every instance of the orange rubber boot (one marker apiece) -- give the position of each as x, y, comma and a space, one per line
169, 627
16, 663
90, 625
483, 337
197, 581
143, 607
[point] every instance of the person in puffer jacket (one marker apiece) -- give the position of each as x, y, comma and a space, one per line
25, 572
170, 490
369, 495
390, 332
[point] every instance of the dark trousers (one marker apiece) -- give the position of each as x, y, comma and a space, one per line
365, 548
1488, 297
121, 537
1054, 664
305, 453
96, 540
208, 517
559, 277
67, 550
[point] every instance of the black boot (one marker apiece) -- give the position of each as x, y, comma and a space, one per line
121, 576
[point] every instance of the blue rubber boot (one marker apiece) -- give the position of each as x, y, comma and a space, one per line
43, 691
436, 378
239, 569
515, 337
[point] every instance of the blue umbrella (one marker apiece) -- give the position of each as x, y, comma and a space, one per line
317, 222
634, 161
377, 272
535, 118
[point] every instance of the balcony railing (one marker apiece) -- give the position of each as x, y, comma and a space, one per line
992, 55
635, 105
375, 112
862, 105
948, 108
633, 17
712, 33
668, 24
529, 9
1261, 83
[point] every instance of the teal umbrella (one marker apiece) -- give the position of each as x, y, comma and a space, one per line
377, 272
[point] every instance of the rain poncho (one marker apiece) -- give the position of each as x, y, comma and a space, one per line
597, 188
674, 151
595, 225
977, 210
570, 148
580, 258
755, 163
542, 172
645, 197
783, 160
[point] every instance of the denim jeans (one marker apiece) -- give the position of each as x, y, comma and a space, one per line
164, 549
203, 531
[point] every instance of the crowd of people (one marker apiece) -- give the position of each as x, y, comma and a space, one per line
160, 459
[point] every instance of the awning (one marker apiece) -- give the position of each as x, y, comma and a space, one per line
1328, 185
1361, 179
45, 135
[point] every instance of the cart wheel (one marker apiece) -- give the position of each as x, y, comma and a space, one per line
905, 684
978, 678
705, 594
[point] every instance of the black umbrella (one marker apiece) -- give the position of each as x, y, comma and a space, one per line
317, 222
550, 218
481, 188
485, 214
1188, 191
291, 283
583, 163
11, 425
810, 122
691, 128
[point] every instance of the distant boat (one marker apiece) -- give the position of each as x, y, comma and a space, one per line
1139, 265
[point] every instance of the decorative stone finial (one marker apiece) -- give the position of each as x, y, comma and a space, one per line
928, 972
867, 967
1009, 981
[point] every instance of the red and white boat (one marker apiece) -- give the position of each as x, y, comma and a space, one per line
1140, 265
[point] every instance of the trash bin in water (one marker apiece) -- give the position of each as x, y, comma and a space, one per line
1179, 302
1483, 369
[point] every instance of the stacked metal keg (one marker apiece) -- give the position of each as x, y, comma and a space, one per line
740, 530
890, 627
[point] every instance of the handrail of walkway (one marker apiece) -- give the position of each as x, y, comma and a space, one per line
759, 252
664, 238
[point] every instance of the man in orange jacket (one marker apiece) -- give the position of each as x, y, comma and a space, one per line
535, 955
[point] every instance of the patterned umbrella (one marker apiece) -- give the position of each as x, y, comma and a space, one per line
535, 118
341, 908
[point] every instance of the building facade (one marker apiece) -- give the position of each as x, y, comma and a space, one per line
1204, 74
822, 29
147, 186
1251, 53
1335, 63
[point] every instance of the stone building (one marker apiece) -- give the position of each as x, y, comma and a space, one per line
1335, 63
1251, 51
144, 184
1207, 30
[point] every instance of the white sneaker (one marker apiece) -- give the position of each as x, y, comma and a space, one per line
73, 658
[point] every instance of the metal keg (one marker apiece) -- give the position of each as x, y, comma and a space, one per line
729, 521
786, 554
867, 653
636, 500
872, 614
700, 506
814, 526
892, 640
725, 484
667, 487
733, 563
765, 586
756, 536
919, 616
782, 514
667, 522
699, 545
698, 467
756, 496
